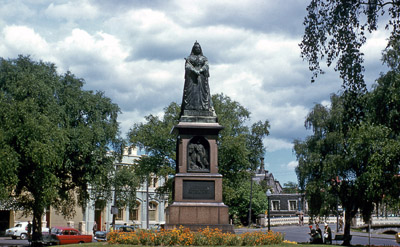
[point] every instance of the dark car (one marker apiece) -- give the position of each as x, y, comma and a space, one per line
102, 235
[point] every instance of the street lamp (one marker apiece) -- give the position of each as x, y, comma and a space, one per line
299, 204
268, 193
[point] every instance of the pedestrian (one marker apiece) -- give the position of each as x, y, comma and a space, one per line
341, 223
29, 230
327, 234
94, 228
301, 220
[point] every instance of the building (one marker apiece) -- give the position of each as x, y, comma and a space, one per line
281, 204
263, 175
149, 211
149, 205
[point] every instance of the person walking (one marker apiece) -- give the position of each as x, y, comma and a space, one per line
29, 229
94, 228
341, 223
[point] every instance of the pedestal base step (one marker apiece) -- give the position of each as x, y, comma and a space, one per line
196, 227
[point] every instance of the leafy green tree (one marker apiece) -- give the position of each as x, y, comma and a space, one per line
384, 105
156, 139
384, 100
240, 146
238, 199
355, 167
55, 138
290, 188
337, 29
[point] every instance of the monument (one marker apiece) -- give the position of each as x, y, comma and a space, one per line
197, 185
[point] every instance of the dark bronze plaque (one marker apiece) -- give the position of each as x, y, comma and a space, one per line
198, 190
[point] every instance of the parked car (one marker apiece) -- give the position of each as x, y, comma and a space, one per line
102, 235
20, 230
65, 235
397, 236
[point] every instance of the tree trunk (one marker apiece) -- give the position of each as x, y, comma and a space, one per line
37, 227
347, 227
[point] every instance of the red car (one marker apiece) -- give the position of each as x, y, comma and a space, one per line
65, 235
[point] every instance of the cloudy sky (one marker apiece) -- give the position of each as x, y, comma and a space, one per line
134, 51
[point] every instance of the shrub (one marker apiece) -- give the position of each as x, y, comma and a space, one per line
185, 237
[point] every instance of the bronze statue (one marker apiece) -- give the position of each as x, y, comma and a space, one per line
197, 158
196, 92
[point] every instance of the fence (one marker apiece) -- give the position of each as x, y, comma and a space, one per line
294, 220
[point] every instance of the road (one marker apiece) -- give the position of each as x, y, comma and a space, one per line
300, 234
292, 233
7, 241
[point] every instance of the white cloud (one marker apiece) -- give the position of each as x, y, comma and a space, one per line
274, 144
135, 55
292, 164
23, 40
72, 10
103, 46
375, 44
15, 10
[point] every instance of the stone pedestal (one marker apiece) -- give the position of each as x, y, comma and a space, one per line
198, 185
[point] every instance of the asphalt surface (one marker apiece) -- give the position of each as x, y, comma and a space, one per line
292, 233
300, 234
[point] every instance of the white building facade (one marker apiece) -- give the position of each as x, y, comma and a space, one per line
149, 211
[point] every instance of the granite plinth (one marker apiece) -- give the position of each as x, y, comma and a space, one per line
198, 215
197, 191
198, 116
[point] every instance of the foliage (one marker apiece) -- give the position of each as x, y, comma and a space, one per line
203, 237
354, 159
240, 146
290, 188
156, 139
240, 151
54, 138
356, 165
238, 199
337, 29
125, 183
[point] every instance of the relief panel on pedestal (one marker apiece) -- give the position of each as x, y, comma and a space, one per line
198, 155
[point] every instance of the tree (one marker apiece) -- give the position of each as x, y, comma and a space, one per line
240, 146
357, 165
156, 139
55, 138
290, 188
337, 29
384, 105
238, 199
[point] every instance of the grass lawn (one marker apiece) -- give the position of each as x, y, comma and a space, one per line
105, 244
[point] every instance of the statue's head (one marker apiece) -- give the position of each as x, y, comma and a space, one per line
196, 50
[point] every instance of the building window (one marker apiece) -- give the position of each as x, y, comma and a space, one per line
155, 181
134, 212
153, 211
120, 215
276, 206
292, 205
